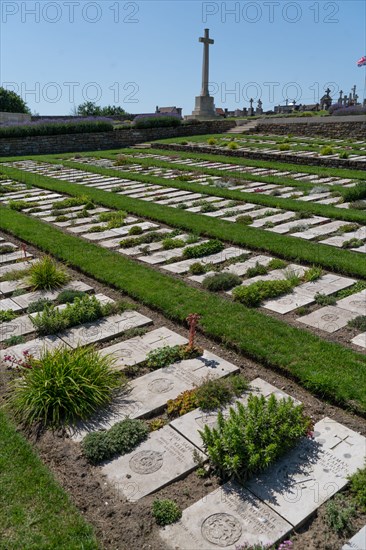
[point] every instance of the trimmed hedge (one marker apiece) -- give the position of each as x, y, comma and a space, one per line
55, 129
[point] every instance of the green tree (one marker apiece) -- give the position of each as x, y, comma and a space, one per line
10, 102
91, 109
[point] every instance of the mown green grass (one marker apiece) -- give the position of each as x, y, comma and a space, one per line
35, 513
254, 198
327, 369
290, 248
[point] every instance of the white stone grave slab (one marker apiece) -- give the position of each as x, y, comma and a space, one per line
317, 231
287, 227
358, 542
160, 460
360, 340
150, 393
284, 304
227, 518
191, 423
8, 303
329, 318
25, 299
220, 257
18, 266
355, 303
17, 327
13, 257
104, 329
312, 472
33, 347
134, 351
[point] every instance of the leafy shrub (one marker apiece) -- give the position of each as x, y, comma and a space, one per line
83, 310
20, 205
5, 249
204, 249
156, 424
14, 340
169, 244
216, 393
323, 300
359, 322
197, 269
313, 274
182, 404
46, 275
276, 263
352, 243
254, 294
339, 514
212, 141
51, 129
7, 315
208, 207
244, 220
135, 230
327, 150
284, 147
343, 155
38, 305
348, 227
151, 236
72, 202
163, 357
358, 205
254, 436
68, 296
232, 145
356, 193
166, 511
113, 219
258, 269
157, 122
122, 438
221, 281
63, 386
123, 160
357, 287
358, 488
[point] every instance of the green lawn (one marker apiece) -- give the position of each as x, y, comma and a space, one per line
329, 370
35, 513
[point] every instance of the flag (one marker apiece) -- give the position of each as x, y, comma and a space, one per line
361, 62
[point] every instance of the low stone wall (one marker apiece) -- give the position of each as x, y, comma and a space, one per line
67, 143
257, 155
19, 118
334, 127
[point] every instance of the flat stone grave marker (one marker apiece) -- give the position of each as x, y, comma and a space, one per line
329, 318
134, 351
17, 327
189, 424
317, 231
13, 257
104, 329
163, 458
227, 518
287, 227
18, 266
220, 257
8, 303
149, 393
360, 340
312, 472
24, 300
34, 347
355, 303
358, 542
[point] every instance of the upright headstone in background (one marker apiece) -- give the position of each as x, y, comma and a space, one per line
205, 108
251, 110
259, 109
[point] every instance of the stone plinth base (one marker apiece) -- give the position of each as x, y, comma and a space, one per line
204, 108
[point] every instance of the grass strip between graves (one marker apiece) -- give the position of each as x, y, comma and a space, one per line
35, 513
289, 248
310, 208
327, 369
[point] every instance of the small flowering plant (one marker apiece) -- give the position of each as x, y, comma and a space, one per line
26, 362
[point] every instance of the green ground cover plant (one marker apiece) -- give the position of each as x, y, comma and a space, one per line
166, 511
46, 275
221, 281
7, 315
63, 386
203, 249
339, 515
256, 293
359, 323
120, 439
254, 435
302, 355
358, 488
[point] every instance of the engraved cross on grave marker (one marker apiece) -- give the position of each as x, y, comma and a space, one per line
206, 40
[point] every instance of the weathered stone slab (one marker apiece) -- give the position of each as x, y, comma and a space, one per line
134, 351
273, 219
355, 303
11, 257
33, 347
122, 231
104, 329
24, 300
311, 473
8, 303
149, 393
18, 266
284, 304
17, 327
319, 230
220, 257
8, 287
191, 423
329, 318
163, 458
286, 227
227, 518
360, 340
327, 284
358, 542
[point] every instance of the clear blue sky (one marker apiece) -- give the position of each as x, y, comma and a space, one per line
146, 53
